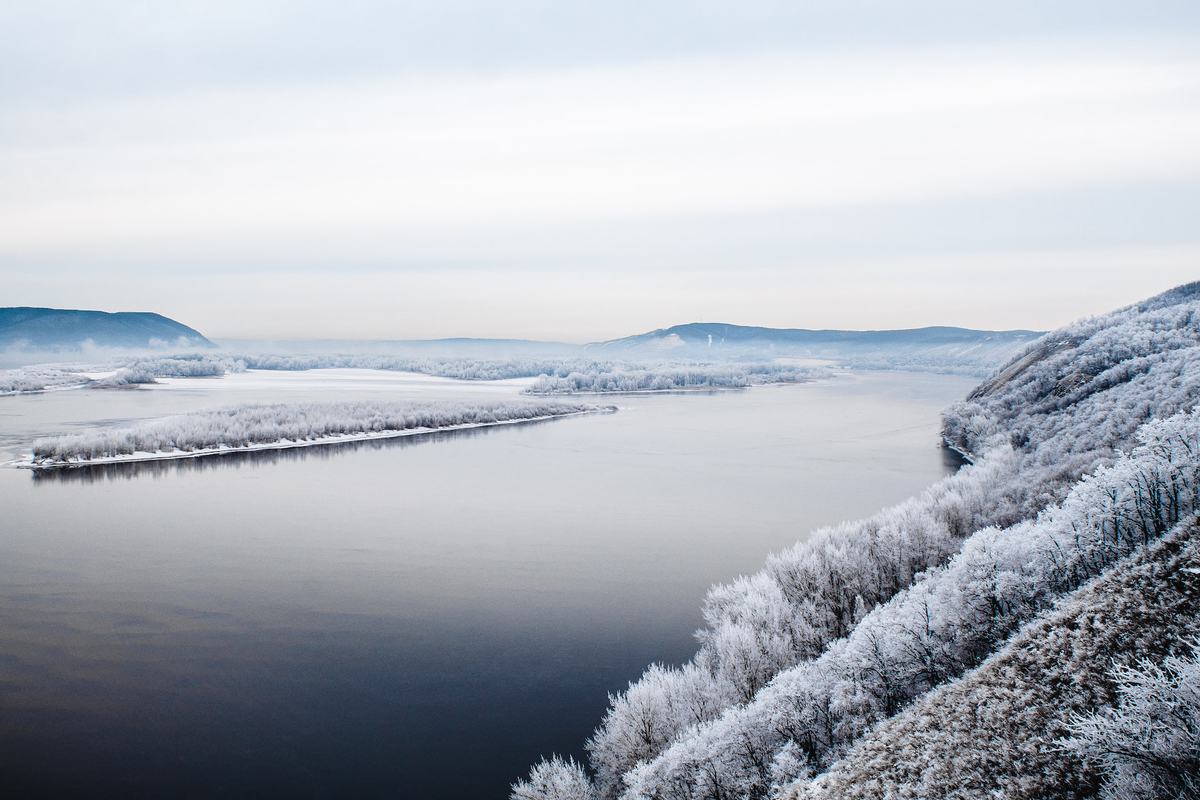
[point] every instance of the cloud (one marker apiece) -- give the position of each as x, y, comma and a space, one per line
368, 168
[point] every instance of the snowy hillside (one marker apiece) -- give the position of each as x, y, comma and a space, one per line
801, 664
1000, 730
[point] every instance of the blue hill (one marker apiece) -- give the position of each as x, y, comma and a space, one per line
67, 329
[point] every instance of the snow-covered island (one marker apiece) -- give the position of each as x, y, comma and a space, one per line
115, 374
285, 425
616, 378
40, 378
1023, 629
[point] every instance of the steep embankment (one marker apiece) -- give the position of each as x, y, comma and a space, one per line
998, 731
1078, 395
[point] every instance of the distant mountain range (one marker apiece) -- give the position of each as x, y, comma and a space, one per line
67, 329
937, 349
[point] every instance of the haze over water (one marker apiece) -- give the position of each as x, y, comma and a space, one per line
420, 618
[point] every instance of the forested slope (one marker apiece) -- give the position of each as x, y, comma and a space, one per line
999, 730
1077, 395
850, 627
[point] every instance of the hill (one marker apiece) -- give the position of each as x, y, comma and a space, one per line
864, 660
59, 329
934, 348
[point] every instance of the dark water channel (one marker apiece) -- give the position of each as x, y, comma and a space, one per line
419, 618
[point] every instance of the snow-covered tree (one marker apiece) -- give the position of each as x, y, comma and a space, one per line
555, 779
39, 379
997, 731
1149, 745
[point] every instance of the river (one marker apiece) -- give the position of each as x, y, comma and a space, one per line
416, 618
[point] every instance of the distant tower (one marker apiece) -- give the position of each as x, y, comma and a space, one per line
710, 340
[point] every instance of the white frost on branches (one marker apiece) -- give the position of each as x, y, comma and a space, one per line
598, 378
128, 373
1150, 743
555, 779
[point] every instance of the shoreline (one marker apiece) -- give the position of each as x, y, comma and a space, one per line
970, 459
282, 444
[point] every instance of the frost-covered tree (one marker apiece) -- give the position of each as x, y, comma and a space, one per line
633, 378
997, 731
203, 365
128, 372
646, 718
1149, 745
39, 379
555, 779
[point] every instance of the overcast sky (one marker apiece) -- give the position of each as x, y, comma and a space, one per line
584, 170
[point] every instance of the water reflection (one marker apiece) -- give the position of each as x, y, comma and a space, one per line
953, 459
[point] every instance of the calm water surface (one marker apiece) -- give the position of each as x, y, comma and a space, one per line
419, 618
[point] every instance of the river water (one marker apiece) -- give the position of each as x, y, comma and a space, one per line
416, 618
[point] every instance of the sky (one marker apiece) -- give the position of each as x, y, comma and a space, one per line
578, 171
